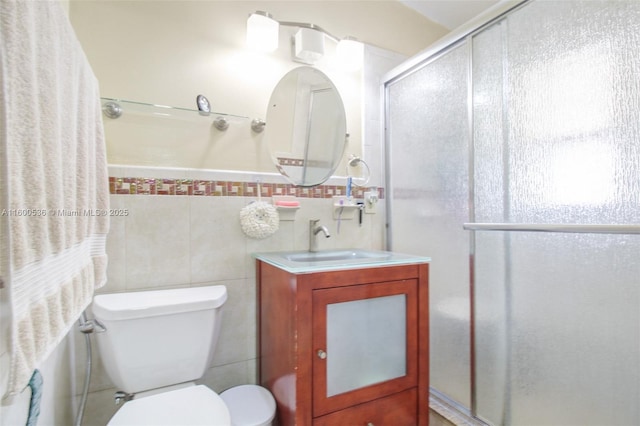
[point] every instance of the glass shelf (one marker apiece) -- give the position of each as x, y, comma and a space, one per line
144, 134
114, 108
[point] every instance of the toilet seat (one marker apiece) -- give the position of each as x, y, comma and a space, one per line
250, 405
194, 405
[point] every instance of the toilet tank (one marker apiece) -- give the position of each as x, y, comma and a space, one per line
158, 338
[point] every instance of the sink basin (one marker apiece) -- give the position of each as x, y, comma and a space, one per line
325, 260
305, 261
335, 255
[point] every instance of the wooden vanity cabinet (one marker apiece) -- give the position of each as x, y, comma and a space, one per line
345, 347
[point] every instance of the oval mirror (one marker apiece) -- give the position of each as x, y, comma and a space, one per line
306, 127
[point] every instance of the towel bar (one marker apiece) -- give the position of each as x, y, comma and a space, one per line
560, 227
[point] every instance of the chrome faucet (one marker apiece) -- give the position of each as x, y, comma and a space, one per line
315, 229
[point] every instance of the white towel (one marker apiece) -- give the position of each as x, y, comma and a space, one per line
54, 182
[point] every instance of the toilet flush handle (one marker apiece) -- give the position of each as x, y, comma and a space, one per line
321, 354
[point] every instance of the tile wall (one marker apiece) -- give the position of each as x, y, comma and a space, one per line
159, 241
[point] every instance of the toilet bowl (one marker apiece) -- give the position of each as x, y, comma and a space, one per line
261, 412
157, 344
194, 405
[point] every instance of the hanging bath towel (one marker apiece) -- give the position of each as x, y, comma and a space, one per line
53, 174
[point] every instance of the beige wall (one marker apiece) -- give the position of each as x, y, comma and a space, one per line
168, 52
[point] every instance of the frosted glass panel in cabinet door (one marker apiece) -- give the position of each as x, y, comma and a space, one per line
366, 340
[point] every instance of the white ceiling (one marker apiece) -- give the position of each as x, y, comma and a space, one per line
449, 13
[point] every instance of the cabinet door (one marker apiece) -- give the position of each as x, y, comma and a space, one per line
365, 343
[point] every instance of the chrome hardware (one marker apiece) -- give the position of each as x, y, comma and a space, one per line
257, 125
120, 396
91, 326
204, 107
370, 424
112, 110
86, 328
355, 161
100, 326
321, 354
221, 123
555, 227
315, 229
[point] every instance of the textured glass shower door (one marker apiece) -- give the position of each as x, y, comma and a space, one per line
534, 119
427, 125
556, 140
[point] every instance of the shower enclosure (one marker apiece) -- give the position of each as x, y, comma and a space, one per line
513, 160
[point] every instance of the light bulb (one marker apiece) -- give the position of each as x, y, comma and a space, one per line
262, 32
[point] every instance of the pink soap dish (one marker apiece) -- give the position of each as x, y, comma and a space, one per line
287, 206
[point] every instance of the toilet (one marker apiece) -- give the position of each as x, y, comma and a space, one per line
156, 345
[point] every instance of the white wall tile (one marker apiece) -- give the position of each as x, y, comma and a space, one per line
177, 241
238, 333
100, 408
226, 376
282, 240
217, 243
157, 241
116, 243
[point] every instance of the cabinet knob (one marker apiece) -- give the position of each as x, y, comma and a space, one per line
370, 424
321, 354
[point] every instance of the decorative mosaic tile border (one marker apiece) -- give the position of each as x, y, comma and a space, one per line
220, 188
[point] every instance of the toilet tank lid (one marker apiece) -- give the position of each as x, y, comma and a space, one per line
142, 304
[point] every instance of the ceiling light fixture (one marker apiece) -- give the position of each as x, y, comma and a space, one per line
308, 46
262, 32
263, 35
